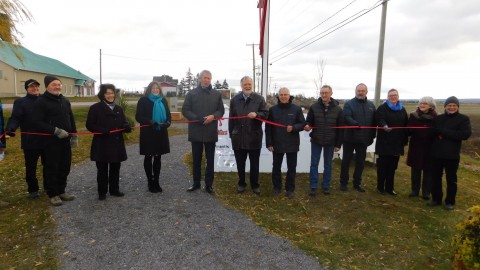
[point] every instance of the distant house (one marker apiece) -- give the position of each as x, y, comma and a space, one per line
18, 64
168, 84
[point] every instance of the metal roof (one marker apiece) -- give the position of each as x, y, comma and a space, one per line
23, 59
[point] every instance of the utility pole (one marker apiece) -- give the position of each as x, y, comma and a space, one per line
378, 83
100, 66
253, 53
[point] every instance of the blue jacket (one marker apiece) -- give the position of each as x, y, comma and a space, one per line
359, 112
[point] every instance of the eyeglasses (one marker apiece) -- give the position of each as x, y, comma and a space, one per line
56, 84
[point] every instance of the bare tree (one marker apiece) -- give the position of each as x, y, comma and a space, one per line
319, 79
12, 12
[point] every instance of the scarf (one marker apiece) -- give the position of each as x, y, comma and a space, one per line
396, 108
159, 114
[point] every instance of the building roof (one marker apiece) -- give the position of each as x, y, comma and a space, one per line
23, 59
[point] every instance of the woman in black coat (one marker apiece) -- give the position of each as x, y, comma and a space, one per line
390, 142
107, 121
420, 145
153, 111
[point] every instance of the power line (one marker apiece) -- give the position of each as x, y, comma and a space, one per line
313, 28
322, 34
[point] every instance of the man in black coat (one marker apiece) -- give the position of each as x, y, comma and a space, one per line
246, 133
31, 144
284, 140
203, 105
450, 129
359, 113
52, 114
322, 117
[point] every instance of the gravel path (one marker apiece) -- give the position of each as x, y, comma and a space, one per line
171, 230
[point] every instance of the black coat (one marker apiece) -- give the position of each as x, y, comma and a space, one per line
246, 133
391, 143
450, 130
107, 147
22, 117
152, 141
324, 118
287, 114
3, 141
420, 146
359, 112
51, 111
201, 102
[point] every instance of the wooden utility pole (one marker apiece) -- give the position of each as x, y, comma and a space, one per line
253, 54
378, 83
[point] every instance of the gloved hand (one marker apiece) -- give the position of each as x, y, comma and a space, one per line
11, 133
60, 133
127, 128
154, 124
74, 141
386, 128
167, 125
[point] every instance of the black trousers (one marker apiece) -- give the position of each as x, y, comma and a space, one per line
291, 171
197, 153
31, 159
108, 176
417, 182
386, 167
450, 166
241, 160
58, 159
360, 155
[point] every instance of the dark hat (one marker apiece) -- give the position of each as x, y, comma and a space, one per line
452, 99
48, 79
30, 82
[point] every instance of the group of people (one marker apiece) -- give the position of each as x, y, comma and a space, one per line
435, 140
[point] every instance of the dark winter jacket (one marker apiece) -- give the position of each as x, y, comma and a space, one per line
359, 112
287, 114
22, 117
199, 103
421, 139
323, 118
152, 141
450, 130
51, 111
106, 147
246, 133
391, 143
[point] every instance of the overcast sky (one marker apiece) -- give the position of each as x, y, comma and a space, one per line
431, 47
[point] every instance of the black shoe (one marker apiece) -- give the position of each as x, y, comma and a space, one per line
117, 194
102, 197
381, 192
449, 206
193, 188
359, 188
256, 191
393, 193
241, 189
434, 203
343, 187
313, 192
326, 191
209, 189
290, 195
276, 192
426, 197
413, 194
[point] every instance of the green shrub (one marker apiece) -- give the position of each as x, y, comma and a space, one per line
467, 242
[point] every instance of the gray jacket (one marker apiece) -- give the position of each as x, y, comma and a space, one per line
199, 103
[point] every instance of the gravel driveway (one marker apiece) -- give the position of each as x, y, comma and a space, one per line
170, 230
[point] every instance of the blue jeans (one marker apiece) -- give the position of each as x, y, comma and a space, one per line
316, 151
